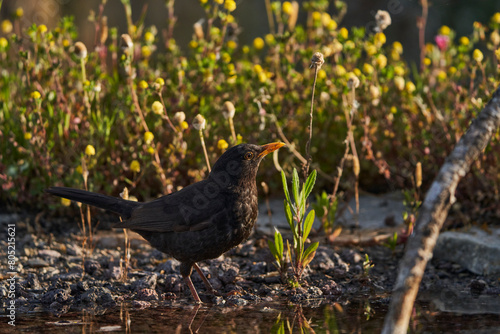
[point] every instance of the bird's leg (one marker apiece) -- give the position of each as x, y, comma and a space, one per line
205, 280
186, 269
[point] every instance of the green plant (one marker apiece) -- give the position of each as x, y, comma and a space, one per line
326, 210
301, 226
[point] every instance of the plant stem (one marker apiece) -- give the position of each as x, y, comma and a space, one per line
308, 145
205, 150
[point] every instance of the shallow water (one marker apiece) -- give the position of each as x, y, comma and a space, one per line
335, 317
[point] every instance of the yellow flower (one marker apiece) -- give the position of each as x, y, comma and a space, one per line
193, 44
340, 70
65, 201
160, 81
3, 42
212, 56
332, 25
143, 84
220, 2
226, 58
497, 53
79, 169
262, 77
222, 145
6, 26
321, 74
410, 87
229, 18
257, 68
495, 37
203, 1
496, 18
442, 76
381, 61
394, 110
184, 125
65, 43
19, 12
148, 137
42, 29
316, 16
398, 47
36, 95
258, 43
149, 37
349, 45
344, 33
370, 49
398, 70
231, 44
230, 5
325, 19
287, 8
427, 61
89, 150
399, 82
367, 69
157, 107
380, 39
477, 55
357, 72
464, 40
27, 135
445, 30
151, 150
452, 70
270, 39
245, 49
146, 51
135, 166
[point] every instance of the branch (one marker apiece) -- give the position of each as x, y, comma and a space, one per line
433, 212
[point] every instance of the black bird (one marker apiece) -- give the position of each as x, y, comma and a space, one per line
199, 222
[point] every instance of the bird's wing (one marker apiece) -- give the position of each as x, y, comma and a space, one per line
193, 208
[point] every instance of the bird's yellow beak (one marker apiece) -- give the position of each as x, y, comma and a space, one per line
268, 148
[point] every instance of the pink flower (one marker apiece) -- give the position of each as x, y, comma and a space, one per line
442, 42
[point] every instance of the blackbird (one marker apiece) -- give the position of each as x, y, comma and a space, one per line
199, 222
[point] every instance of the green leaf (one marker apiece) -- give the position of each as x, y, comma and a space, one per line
295, 188
311, 180
289, 216
285, 185
308, 223
272, 248
278, 242
309, 253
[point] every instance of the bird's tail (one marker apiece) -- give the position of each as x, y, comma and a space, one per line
115, 204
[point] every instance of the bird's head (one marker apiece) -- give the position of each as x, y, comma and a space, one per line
242, 161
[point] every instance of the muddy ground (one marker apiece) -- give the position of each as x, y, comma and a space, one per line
53, 273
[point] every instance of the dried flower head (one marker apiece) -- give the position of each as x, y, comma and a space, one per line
180, 117
80, 50
199, 122
317, 60
198, 29
353, 81
124, 193
418, 174
126, 43
383, 20
228, 110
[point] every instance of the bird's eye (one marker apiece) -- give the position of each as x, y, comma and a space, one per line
249, 156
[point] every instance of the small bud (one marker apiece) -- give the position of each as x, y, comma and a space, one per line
199, 122
355, 165
317, 60
228, 110
418, 174
148, 137
180, 117
157, 107
80, 50
126, 43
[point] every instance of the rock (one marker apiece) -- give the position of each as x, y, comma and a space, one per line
148, 282
91, 266
147, 294
236, 300
477, 287
99, 295
226, 270
32, 282
476, 250
73, 250
174, 283
49, 253
141, 304
114, 272
168, 267
37, 263
327, 259
61, 296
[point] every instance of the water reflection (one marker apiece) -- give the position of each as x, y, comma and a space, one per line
343, 316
